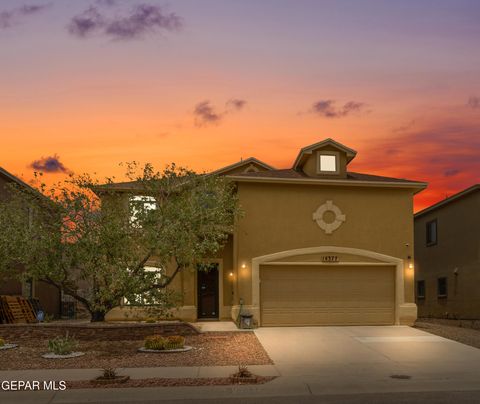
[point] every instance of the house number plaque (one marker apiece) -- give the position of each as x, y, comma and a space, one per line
330, 258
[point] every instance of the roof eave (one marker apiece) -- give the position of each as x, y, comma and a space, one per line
416, 186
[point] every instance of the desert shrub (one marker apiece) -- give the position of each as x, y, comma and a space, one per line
243, 372
154, 342
174, 342
150, 320
109, 373
62, 345
2, 342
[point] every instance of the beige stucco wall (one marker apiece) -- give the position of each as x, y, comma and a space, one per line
278, 217
458, 247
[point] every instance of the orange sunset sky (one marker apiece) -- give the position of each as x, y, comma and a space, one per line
86, 85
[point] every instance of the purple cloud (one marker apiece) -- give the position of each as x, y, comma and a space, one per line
12, 17
205, 114
450, 172
474, 102
50, 164
236, 104
328, 109
140, 21
86, 23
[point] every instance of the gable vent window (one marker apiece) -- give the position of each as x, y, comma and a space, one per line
431, 232
328, 163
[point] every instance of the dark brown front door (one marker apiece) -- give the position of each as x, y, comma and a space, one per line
207, 287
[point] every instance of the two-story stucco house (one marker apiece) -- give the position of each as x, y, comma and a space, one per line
447, 255
318, 244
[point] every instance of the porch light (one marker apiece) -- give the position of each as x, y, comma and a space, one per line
243, 266
410, 263
230, 274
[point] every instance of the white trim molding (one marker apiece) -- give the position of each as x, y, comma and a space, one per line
402, 309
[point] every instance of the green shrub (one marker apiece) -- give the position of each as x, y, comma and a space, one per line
174, 342
150, 320
154, 342
62, 345
2, 342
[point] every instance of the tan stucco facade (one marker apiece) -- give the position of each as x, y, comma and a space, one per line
287, 225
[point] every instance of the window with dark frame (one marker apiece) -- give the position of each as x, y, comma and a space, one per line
442, 287
420, 289
431, 228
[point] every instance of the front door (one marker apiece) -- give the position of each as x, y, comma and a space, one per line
207, 289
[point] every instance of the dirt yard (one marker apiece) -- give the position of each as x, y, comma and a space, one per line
209, 349
467, 336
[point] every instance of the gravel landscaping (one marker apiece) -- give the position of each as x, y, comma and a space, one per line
209, 349
467, 336
157, 382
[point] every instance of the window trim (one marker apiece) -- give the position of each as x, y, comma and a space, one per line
336, 154
422, 281
431, 243
442, 296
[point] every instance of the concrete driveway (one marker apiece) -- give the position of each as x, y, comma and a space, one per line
364, 359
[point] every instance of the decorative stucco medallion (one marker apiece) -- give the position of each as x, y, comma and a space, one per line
339, 217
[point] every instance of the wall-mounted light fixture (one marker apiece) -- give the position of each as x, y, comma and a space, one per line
230, 274
243, 266
410, 263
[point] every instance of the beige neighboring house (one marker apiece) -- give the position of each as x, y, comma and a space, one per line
447, 256
318, 245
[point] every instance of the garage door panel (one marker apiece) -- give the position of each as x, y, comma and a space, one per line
309, 295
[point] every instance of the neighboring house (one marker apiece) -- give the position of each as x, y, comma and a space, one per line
317, 245
48, 295
447, 257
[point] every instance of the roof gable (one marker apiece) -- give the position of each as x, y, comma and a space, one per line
306, 151
250, 164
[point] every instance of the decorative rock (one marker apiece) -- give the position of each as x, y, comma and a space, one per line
8, 346
184, 349
51, 355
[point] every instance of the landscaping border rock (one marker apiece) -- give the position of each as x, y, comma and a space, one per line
7, 346
95, 331
51, 355
184, 349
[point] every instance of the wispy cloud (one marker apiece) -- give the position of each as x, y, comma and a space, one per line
206, 114
86, 23
328, 108
474, 102
443, 153
140, 20
235, 104
14, 16
50, 164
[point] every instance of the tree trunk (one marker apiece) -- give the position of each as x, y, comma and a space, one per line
97, 316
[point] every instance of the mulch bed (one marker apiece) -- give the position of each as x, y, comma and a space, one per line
162, 382
467, 336
209, 349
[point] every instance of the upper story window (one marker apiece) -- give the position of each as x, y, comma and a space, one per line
328, 162
139, 205
431, 228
